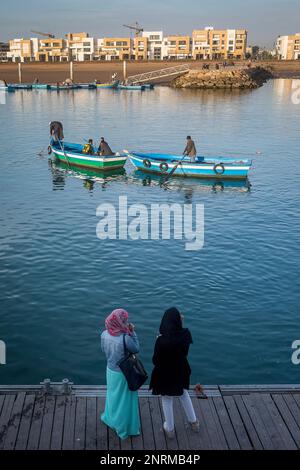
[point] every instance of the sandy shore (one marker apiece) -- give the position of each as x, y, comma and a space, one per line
89, 71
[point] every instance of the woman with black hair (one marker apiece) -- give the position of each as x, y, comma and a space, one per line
171, 373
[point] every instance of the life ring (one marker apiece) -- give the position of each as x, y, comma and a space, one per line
49, 149
222, 168
164, 167
147, 163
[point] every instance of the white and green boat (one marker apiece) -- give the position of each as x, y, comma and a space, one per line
72, 154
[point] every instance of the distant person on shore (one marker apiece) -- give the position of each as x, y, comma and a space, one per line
190, 149
171, 373
36, 81
104, 149
121, 406
89, 148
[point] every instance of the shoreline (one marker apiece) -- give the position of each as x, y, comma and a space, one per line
89, 71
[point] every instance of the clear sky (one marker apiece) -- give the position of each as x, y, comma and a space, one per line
264, 19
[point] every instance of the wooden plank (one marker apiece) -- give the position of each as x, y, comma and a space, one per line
205, 443
255, 415
288, 410
36, 423
2, 398
46, 430
113, 440
157, 423
296, 397
80, 423
279, 423
102, 433
275, 436
91, 424
193, 438
5, 416
180, 426
146, 424
137, 441
237, 423
227, 427
58, 424
24, 429
14, 422
69, 423
255, 440
214, 429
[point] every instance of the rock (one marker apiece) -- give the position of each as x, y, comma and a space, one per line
240, 78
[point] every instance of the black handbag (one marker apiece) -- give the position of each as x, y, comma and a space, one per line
133, 369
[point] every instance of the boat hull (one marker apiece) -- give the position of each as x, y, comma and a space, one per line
112, 85
224, 170
64, 87
95, 162
40, 86
132, 87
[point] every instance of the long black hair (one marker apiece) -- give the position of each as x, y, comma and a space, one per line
171, 327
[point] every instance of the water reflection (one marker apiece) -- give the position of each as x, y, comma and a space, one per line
60, 171
190, 185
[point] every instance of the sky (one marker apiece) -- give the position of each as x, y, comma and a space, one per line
264, 19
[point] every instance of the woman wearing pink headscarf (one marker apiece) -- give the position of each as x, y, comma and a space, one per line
121, 407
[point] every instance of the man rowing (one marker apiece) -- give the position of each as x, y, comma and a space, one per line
190, 149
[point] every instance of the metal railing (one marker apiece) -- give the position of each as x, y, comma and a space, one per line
154, 75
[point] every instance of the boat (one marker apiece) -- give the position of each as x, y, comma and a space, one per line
64, 87
5, 87
203, 167
87, 86
71, 154
112, 85
132, 87
148, 86
21, 86
40, 86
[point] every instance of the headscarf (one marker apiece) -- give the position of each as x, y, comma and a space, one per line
117, 322
172, 329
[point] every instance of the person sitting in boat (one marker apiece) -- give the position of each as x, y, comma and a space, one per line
56, 131
88, 148
104, 149
190, 149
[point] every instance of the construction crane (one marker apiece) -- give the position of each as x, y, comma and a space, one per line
136, 28
48, 35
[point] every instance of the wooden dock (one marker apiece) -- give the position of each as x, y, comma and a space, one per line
64, 416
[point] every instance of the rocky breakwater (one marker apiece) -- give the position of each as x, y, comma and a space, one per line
245, 78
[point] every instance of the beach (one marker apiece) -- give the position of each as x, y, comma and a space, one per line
89, 71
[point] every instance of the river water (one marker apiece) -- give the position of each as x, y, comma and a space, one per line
240, 294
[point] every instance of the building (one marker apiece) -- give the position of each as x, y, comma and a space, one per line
53, 50
177, 47
115, 49
288, 47
23, 50
210, 43
81, 46
155, 44
140, 48
4, 49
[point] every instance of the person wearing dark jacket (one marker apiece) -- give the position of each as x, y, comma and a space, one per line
190, 148
104, 149
171, 374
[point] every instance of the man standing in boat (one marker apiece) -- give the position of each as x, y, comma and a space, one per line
190, 149
104, 149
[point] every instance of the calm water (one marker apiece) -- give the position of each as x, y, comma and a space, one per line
240, 294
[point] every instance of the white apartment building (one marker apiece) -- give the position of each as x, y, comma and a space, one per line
23, 50
156, 48
288, 47
81, 46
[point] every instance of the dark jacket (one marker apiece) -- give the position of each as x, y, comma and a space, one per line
190, 148
171, 373
105, 149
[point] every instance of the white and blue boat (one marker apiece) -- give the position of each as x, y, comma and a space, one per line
5, 87
132, 87
40, 86
203, 167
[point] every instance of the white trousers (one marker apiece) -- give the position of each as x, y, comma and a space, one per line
167, 405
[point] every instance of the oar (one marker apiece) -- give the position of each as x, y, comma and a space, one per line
66, 157
173, 170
